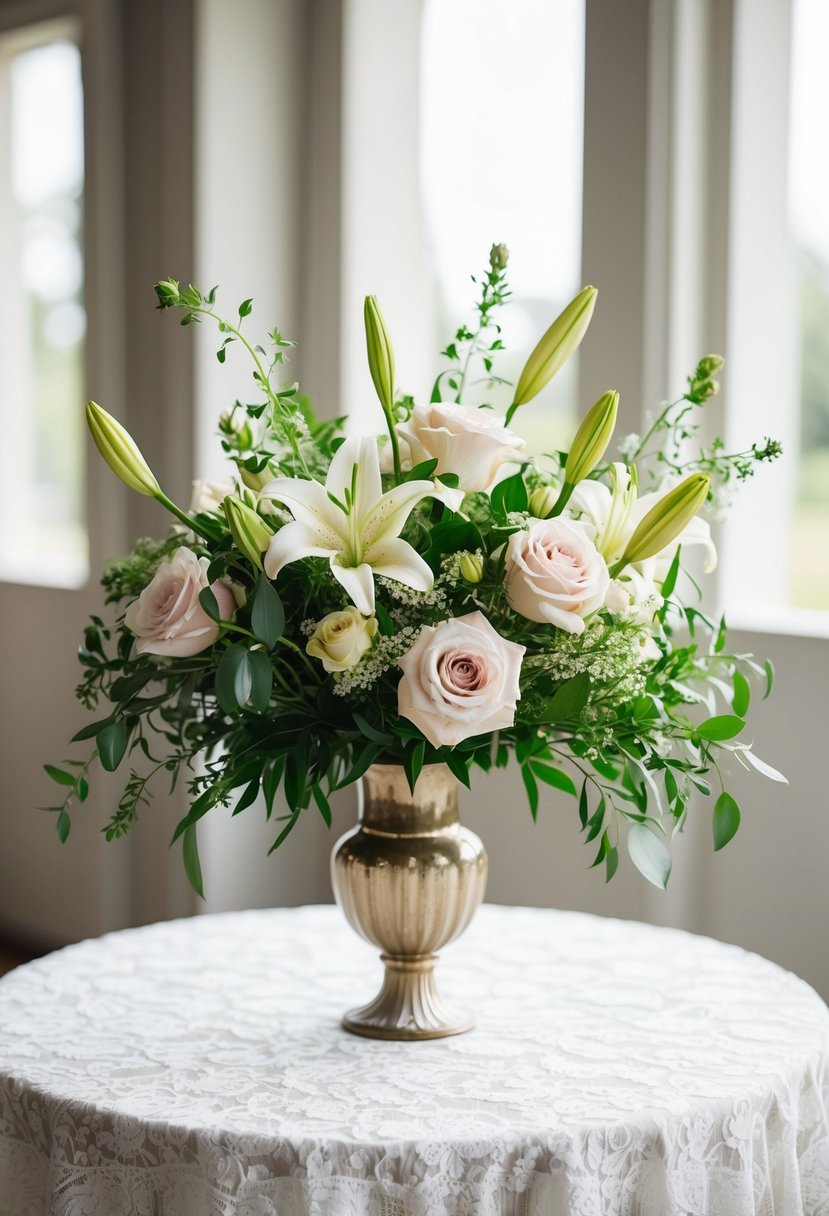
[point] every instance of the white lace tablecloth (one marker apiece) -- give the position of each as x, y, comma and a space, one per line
198, 1069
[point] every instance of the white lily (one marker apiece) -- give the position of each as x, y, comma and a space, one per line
352, 522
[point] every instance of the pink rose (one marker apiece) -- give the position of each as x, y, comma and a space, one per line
554, 573
167, 617
459, 679
472, 442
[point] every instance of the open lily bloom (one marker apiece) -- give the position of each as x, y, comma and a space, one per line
612, 517
352, 522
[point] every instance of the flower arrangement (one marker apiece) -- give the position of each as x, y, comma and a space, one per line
435, 594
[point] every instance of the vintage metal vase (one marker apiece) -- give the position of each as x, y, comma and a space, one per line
409, 879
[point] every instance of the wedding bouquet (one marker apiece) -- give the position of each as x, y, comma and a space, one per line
434, 595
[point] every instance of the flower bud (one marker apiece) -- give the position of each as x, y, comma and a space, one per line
250, 534
542, 501
120, 451
380, 354
256, 481
498, 257
471, 567
591, 439
664, 522
556, 347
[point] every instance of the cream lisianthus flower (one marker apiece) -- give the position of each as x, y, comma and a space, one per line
341, 639
352, 522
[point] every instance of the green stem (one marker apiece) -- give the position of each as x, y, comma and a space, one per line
185, 518
388, 410
263, 377
655, 426
562, 500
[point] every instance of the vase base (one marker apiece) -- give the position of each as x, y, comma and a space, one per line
408, 1005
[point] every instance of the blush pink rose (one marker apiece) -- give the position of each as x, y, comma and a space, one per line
167, 617
460, 679
472, 442
554, 573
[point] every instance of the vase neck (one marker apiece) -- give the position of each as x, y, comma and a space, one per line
388, 805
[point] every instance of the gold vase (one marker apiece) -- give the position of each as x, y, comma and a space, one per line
409, 879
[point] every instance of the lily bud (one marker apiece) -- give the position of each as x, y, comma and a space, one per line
380, 354
249, 533
471, 567
542, 501
256, 481
556, 347
591, 439
664, 522
120, 451
498, 257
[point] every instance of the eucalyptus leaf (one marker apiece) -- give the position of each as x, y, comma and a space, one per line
649, 855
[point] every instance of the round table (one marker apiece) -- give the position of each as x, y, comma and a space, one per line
198, 1068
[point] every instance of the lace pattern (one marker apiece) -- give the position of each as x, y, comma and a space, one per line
197, 1068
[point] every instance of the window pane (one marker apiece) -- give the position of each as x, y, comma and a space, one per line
502, 162
43, 539
808, 192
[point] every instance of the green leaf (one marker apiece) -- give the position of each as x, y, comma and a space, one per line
568, 701
386, 624
669, 582
283, 835
510, 495
323, 805
63, 825
421, 471
583, 805
230, 683
248, 797
413, 762
90, 731
261, 675
768, 667
723, 726
531, 786
245, 308
553, 776
742, 694
210, 604
459, 766
267, 617
611, 863
726, 820
192, 866
58, 774
112, 743
376, 736
649, 855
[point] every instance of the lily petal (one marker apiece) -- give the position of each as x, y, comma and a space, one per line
310, 505
396, 559
358, 581
361, 451
291, 543
389, 514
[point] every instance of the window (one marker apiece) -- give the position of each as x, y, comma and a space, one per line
501, 161
808, 192
42, 537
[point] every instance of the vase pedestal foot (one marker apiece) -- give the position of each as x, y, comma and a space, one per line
408, 1006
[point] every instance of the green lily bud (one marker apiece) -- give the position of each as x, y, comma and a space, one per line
380, 353
471, 567
588, 446
498, 257
556, 347
542, 501
664, 522
249, 533
591, 439
120, 451
256, 481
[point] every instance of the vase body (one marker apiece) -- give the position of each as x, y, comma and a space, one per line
409, 878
